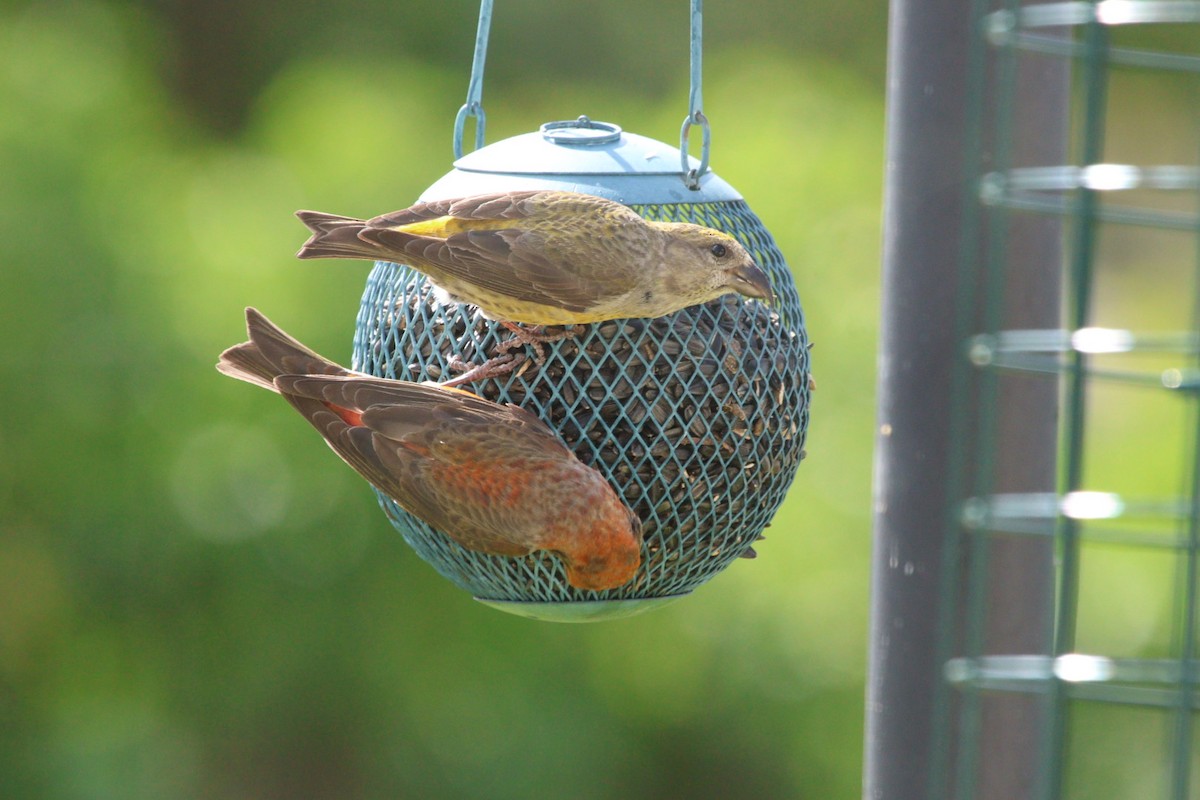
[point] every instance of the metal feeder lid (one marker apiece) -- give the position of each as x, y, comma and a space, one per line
581, 155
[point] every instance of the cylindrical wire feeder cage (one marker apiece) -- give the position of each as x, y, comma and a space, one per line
698, 418
1117, 696
1082, 681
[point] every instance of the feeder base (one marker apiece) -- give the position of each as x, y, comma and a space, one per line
588, 611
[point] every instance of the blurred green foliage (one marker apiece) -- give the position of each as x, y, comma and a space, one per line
196, 598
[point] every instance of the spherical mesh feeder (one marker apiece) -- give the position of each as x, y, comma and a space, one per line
697, 419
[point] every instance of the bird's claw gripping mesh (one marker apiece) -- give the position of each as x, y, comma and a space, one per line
697, 419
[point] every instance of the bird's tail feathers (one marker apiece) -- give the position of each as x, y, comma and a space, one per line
334, 236
271, 353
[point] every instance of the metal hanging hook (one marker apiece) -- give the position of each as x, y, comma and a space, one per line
691, 177
474, 105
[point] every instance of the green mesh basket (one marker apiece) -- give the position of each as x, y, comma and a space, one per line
698, 419
1077, 709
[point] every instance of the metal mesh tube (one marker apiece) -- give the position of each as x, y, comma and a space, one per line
1102, 716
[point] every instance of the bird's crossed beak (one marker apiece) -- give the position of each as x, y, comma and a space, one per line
750, 281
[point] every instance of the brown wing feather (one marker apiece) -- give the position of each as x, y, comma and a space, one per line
415, 439
512, 263
454, 476
498, 205
351, 443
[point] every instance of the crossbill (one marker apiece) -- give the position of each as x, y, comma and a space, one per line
493, 478
547, 257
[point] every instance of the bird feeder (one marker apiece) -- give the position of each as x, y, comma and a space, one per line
697, 419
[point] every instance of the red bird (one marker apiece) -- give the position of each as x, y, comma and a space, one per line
493, 478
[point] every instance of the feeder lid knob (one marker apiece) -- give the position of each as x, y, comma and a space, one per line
581, 132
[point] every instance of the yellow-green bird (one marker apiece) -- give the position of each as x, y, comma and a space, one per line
547, 257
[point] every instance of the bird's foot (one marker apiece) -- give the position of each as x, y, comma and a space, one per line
492, 368
535, 337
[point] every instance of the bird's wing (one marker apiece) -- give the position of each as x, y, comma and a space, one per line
312, 396
472, 481
494, 242
361, 392
492, 207
447, 457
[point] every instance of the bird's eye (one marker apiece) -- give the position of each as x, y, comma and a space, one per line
718, 250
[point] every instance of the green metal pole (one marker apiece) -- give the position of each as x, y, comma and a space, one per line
948, 273
925, 181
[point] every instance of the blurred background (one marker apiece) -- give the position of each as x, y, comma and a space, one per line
197, 599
